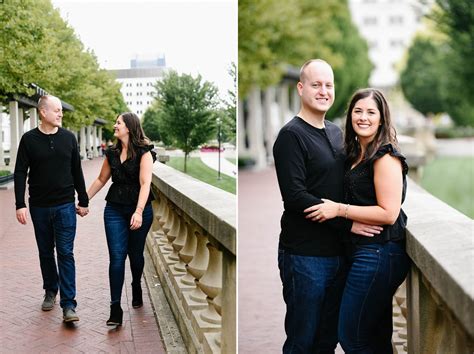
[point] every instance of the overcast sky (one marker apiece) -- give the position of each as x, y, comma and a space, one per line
195, 36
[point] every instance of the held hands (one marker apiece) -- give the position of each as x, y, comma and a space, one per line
81, 211
22, 215
324, 211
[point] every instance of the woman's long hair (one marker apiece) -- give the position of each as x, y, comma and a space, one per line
386, 133
136, 137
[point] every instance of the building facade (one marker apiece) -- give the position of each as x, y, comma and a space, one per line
138, 82
389, 27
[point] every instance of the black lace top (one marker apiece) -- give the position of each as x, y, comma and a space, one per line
359, 189
125, 186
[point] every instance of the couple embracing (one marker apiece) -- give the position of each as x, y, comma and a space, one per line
49, 156
342, 245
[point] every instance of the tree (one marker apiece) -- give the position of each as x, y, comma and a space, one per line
152, 125
187, 110
229, 113
420, 80
269, 42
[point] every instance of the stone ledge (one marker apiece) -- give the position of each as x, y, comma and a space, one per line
440, 242
213, 209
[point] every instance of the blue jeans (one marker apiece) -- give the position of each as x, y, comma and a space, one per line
312, 289
365, 317
122, 241
57, 226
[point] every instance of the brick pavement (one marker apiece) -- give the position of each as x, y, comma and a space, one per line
24, 328
261, 307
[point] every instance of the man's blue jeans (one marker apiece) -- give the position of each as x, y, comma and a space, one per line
365, 317
312, 289
122, 241
57, 226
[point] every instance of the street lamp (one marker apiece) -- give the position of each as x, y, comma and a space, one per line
219, 153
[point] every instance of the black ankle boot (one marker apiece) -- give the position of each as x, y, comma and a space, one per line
137, 300
116, 315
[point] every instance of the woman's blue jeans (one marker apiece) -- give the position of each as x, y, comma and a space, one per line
122, 241
365, 316
56, 226
312, 289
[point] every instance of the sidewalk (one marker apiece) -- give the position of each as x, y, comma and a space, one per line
211, 159
261, 306
24, 328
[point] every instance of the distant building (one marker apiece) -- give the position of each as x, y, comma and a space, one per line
389, 27
138, 82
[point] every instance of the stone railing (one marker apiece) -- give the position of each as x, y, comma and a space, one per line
434, 309
192, 242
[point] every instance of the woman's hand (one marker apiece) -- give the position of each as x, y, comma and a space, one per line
136, 221
324, 211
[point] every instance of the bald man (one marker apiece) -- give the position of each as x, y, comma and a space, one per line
49, 156
309, 162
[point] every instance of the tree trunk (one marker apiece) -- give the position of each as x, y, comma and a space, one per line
185, 161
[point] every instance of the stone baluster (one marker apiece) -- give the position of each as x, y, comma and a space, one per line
399, 338
196, 298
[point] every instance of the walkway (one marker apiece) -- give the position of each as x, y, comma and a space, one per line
261, 306
211, 159
24, 328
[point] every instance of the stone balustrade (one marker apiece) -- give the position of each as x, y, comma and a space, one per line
438, 306
192, 242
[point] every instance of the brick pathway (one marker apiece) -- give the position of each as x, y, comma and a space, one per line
261, 306
24, 328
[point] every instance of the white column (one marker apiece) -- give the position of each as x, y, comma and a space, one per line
33, 118
241, 130
14, 135
255, 128
94, 141
100, 135
283, 102
2, 156
82, 144
268, 131
88, 139
21, 123
295, 104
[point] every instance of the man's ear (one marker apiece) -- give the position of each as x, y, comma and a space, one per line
299, 87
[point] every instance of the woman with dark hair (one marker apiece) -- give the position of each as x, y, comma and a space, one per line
128, 214
375, 188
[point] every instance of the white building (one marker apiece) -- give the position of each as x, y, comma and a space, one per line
138, 82
389, 27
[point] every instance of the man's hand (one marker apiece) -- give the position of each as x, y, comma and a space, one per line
21, 215
81, 211
365, 229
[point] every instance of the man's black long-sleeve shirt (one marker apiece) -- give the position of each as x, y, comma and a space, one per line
54, 169
310, 165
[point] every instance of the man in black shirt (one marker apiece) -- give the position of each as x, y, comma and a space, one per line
51, 155
309, 161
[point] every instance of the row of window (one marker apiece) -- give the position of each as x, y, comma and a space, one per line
138, 84
151, 93
393, 20
139, 103
394, 43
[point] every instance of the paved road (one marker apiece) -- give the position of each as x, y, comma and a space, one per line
24, 328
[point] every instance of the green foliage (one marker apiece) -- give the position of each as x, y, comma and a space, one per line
443, 69
200, 171
37, 46
459, 191
186, 108
5, 173
229, 113
274, 34
420, 80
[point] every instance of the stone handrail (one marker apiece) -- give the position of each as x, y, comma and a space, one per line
193, 246
440, 286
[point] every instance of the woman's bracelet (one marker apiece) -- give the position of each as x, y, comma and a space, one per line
347, 208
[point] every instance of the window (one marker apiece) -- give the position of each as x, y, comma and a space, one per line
396, 20
370, 21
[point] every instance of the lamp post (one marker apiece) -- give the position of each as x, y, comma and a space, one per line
219, 153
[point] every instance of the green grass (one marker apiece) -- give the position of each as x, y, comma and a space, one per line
451, 179
203, 173
231, 160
